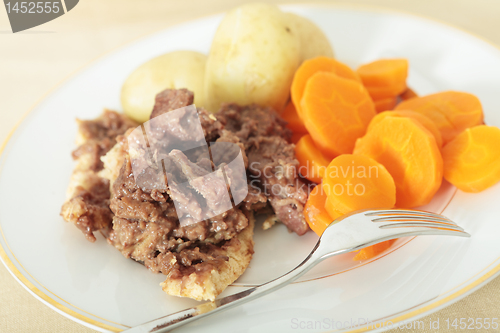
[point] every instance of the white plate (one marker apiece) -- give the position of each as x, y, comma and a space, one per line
94, 285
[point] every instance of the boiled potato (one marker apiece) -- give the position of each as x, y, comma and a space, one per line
174, 70
253, 57
313, 42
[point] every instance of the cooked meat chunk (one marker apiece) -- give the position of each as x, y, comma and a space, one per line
210, 185
87, 204
171, 99
96, 137
271, 160
252, 121
256, 200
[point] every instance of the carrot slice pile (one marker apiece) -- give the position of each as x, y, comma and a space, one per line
312, 161
472, 159
312, 66
374, 250
314, 211
384, 78
353, 120
354, 182
451, 111
423, 120
336, 111
410, 154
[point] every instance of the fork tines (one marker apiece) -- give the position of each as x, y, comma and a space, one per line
392, 212
422, 218
421, 224
400, 218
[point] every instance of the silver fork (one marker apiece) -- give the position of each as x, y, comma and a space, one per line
348, 233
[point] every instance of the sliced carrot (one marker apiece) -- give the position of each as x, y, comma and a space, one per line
408, 93
425, 121
374, 250
451, 111
384, 73
472, 159
290, 115
336, 111
385, 92
312, 161
385, 104
385, 78
354, 182
314, 211
381, 192
312, 66
410, 154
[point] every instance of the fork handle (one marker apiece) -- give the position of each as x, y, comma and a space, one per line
183, 317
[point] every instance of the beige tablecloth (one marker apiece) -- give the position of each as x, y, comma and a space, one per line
33, 61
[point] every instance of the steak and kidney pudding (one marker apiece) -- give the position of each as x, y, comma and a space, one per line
198, 259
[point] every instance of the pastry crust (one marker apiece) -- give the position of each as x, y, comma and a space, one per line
207, 285
114, 159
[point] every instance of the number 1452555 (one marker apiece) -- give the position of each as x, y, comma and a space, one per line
472, 324
33, 7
